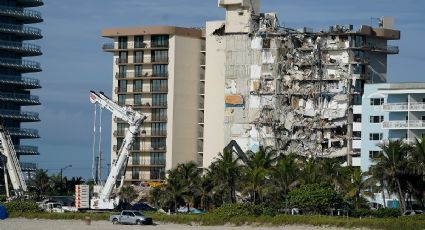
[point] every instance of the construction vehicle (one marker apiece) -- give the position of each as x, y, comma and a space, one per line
12, 166
102, 194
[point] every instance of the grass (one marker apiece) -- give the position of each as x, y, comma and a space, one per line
410, 222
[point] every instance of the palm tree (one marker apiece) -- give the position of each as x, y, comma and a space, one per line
40, 181
391, 165
359, 186
226, 172
331, 171
127, 194
285, 174
190, 176
258, 168
174, 188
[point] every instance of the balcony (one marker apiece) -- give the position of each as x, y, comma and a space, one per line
417, 106
121, 61
138, 163
22, 99
23, 133
412, 124
26, 150
21, 65
26, 16
391, 107
120, 90
387, 49
26, 32
30, 3
22, 48
18, 115
108, 46
28, 166
24, 82
159, 44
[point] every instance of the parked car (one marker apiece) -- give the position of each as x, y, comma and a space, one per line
412, 212
130, 217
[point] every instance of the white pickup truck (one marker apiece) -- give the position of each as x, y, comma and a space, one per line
130, 217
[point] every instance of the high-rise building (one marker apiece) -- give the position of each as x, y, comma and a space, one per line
157, 71
295, 90
15, 85
391, 111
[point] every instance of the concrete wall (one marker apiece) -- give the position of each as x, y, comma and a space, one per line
183, 99
214, 94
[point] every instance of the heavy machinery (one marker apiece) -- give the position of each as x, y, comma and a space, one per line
102, 197
12, 166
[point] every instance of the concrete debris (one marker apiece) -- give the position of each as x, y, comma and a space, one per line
298, 87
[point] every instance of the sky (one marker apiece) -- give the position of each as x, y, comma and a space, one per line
73, 62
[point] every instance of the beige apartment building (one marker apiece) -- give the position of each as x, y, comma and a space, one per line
157, 71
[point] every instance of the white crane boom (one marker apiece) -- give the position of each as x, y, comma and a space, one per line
13, 166
135, 120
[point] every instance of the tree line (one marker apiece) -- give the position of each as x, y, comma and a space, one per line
281, 181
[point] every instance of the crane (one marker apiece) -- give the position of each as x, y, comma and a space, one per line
135, 120
13, 166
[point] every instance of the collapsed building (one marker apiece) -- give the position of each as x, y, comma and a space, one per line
295, 90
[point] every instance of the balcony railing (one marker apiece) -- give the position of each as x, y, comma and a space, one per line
22, 98
26, 150
159, 44
22, 47
24, 81
417, 106
13, 114
24, 65
21, 30
403, 124
20, 12
108, 46
121, 61
395, 107
28, 166
23, 133
30, 3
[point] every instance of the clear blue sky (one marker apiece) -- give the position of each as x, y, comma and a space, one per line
74, 63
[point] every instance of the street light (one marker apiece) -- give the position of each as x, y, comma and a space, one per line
64, 169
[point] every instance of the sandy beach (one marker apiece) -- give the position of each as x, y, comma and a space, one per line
38, 224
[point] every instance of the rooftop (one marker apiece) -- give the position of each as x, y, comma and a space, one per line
152, 30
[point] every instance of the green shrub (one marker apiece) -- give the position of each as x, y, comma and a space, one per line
3, 198
379, 213
228, 211
19, 206
315, 197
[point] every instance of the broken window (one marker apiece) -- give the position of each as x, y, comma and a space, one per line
376, 101
375, 136
357, 135
266, 43
376, 119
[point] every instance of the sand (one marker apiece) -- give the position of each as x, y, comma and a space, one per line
38, 224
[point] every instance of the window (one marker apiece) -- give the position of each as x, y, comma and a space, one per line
160, 56
122, 57
135, 158
121, 99
159, 41
376, 119
159, 129
374, 154
359, 69
159, 115
159, 100
157, 173
137, 86
357, 117
121, 129
122, 43
122, 86
359, 41
357, 99
157, 159
138, 57
135, 173
375, 136
423, 100
159, 85
357, 135
122, 70
158, 143
138, 70
160, 70
138, 42
376, 101
137, 99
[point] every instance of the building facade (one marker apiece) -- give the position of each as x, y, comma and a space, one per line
295, 90
16, 48
392, 111
158, 71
